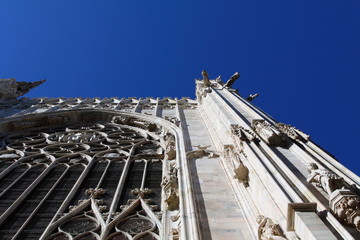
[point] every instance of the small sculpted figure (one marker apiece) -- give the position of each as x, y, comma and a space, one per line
205, 78
268, 230
325, 179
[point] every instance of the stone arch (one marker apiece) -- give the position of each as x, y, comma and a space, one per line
84, 130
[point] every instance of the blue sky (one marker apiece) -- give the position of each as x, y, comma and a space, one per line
303, 57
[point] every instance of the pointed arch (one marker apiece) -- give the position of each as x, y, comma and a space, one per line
115, 144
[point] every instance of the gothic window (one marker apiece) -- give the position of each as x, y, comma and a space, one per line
101, 180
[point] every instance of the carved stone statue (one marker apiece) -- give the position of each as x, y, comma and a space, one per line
268, 230
170, 185
323, 178
170, 147
232, 80
205, 78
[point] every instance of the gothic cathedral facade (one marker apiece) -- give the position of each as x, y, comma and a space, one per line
214, 167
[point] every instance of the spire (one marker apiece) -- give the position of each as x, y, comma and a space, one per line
11, 89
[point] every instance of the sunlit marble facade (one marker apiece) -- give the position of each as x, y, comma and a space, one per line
214, 167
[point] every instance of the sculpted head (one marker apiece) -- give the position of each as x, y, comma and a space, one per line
312, 166
259, 218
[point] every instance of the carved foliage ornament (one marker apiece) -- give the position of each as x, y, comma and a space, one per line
241, 133
134, 122
292, 132
346, 207
270, 134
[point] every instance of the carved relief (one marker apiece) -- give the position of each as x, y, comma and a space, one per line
268, 229
268, 133
232, 157
134, 122
346, 207
170, 186
170, 146
173, 120
175, 233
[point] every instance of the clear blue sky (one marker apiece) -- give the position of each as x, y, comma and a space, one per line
303, 57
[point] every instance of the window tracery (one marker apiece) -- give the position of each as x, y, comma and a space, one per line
85, 181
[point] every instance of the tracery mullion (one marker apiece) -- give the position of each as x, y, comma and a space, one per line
144, 175
153, 178
53, 174
6, 167
54, 200
120, 184
68, 198
110, 180
104, 174
92, 180
133, 180
12, 178
20, 210
19, 189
